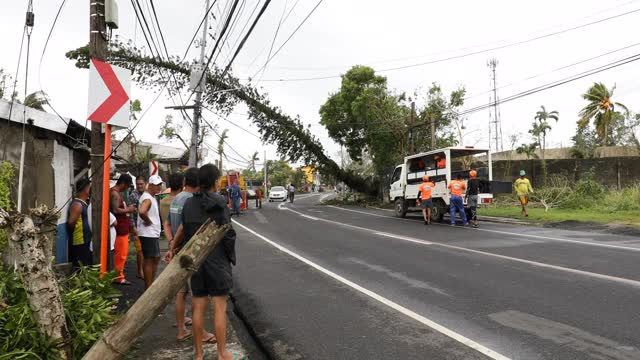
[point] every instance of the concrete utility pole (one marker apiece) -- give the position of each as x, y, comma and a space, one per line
197, 110
97, 50
412, 120
433, 132
493, 63
266, 184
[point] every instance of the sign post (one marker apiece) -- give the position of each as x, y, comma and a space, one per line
107, 100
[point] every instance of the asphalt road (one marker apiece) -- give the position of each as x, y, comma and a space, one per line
322, 282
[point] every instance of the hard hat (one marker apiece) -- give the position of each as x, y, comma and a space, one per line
425, 178
522, 173
473, 173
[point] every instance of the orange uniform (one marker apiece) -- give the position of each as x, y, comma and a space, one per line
425, 190
457, 187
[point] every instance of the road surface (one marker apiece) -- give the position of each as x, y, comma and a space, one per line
323, 282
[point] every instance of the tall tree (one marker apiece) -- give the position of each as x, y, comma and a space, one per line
221, 141
442, 112
253, 160
600, 109
539, 130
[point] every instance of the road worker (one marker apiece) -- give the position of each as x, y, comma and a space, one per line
425, 198
473, 185
456, 188
523, 188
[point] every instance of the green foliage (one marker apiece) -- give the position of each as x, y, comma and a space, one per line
528, 149
88, 302
279, 172
443, 112
584, 143
7, 177
601, 110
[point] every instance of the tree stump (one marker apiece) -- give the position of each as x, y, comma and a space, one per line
32, 250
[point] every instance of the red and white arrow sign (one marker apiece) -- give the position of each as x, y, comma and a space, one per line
108, 94
153, 168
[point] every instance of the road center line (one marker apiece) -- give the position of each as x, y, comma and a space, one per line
599, 276
610, 246
421, 319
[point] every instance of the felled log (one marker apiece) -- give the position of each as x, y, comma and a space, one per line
120, 336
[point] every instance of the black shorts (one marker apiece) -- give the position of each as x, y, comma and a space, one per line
150, 247
426, 204
213, 278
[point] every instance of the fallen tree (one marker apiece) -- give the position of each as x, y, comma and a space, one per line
31, 249
115, 342
223, 91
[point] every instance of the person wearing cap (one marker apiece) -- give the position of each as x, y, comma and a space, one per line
523, 189
149, 229
78, 225
473, 189
456, 188
121, 211
425, 198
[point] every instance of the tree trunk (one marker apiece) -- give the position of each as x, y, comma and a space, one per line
32, 250
120, 336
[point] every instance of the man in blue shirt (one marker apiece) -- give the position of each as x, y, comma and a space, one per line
292, 192
236, 197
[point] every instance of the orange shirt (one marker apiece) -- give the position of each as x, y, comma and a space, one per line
441, 163
457, 187
425, 190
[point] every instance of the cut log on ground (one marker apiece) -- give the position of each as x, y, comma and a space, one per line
32, 249
117, 340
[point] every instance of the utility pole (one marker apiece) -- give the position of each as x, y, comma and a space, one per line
493, 63
266, 184
412, 120
197, 110
98, 51
433, 132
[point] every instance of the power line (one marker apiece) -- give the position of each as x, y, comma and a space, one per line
232, 123
455, 57
290, 36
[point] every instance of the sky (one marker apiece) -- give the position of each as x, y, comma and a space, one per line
378, 33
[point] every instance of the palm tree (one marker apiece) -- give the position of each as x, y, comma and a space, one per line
600, 109
221, 142
541, 126
528, 150
253, 160
36, 100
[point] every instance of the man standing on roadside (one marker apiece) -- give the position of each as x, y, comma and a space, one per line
149, 229
473, 187
236, 197
78, 226
213, 278
425, 198
259, 198
118, 208
134, 198
171, 225
176, 183
292, 192
456, 188
523, 189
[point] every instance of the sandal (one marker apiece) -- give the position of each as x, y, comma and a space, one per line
186, 337
211, 340
239, 356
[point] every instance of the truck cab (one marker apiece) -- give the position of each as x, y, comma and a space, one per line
442, 166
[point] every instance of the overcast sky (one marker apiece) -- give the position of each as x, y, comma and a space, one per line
382, 34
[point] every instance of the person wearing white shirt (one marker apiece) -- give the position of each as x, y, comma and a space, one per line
149, 229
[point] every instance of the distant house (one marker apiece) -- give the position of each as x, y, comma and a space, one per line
134, 157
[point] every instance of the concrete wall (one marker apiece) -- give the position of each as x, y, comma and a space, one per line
611, 172
565, 153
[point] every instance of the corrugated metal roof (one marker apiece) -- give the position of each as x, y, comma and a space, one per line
40, 119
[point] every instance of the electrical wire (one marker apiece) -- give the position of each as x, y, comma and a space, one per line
232, 123
455, 57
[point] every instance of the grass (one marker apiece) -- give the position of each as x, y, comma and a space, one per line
625, 217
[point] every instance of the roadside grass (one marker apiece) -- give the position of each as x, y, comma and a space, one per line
621, 217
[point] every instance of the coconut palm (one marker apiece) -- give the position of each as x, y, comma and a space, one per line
541, 126
36, 100
221, 142
600, 110
252, 162
529, 150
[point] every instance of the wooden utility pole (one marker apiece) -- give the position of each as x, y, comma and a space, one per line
115, 342
97, 50
412, 121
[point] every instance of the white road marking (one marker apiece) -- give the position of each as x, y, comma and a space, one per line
610, 246
615, 279
421, 319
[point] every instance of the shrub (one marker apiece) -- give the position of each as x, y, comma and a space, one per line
623, 200
7, 176
88, 303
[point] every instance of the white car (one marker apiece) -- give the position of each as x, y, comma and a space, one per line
278, 193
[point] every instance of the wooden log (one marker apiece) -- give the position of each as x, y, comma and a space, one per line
32, 251
117, 340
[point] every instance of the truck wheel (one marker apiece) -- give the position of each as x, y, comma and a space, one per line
438, 211
400, 208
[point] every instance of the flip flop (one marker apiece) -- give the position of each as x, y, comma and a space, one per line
210, 340
188, 321
239, 356
186, 337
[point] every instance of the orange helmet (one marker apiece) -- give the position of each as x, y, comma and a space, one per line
473, 173
425, 178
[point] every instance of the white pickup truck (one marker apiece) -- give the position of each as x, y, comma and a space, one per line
442, 166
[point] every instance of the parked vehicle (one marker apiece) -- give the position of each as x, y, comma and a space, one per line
278, 193
442, 166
